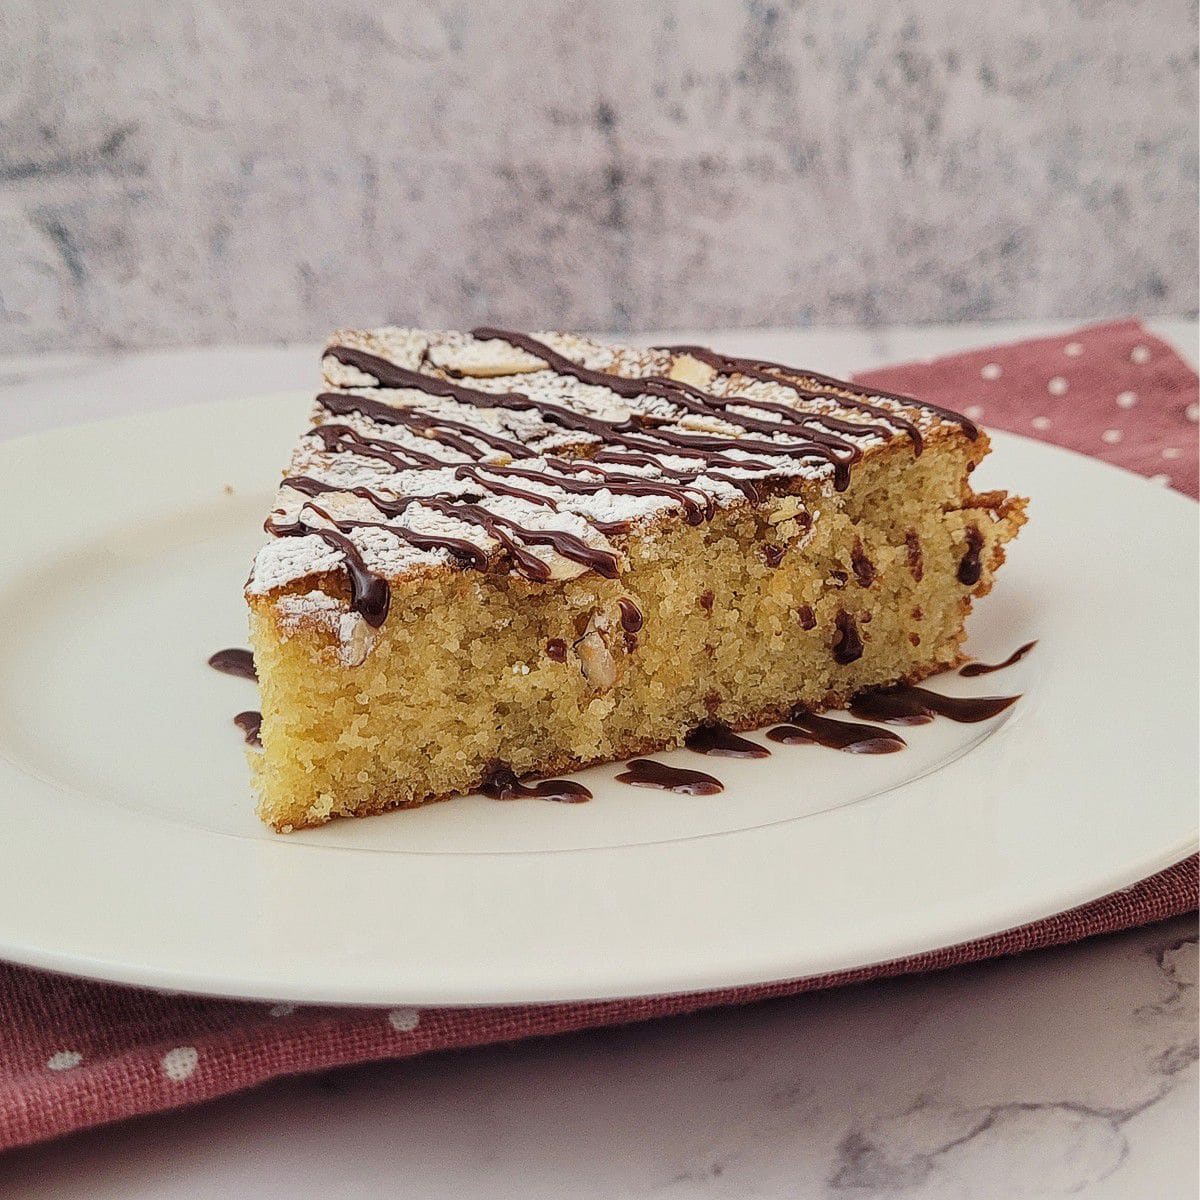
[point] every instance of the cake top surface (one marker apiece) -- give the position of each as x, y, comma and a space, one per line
504, 451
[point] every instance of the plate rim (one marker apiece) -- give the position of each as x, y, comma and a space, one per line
249, 988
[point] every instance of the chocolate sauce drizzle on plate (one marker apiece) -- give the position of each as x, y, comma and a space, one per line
848, 736
977, 668
503, 784
640, 441
720, 740
234, 661
903, 704
250, 722
645, 772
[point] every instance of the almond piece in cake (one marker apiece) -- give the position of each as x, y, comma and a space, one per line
498, 552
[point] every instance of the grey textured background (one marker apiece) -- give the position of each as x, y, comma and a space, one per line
218, 171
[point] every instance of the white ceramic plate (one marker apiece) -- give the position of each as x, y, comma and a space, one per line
130, 850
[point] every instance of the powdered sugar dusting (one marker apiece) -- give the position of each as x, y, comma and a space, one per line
283, 560
310, 608
461, 354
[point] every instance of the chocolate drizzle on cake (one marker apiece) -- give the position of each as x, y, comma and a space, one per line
815, 443
978, 668
370, 594
773, 372
644, 438
670, 441
234, 662
645, 772
848, 736
341, 404
720, 740
510, 534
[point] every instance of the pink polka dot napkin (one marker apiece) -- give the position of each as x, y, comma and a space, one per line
1114, 392
75, 1053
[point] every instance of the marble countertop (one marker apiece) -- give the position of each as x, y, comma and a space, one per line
1064, 1072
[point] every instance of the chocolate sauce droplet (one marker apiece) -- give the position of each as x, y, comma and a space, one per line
902, 704
971, 568
976, 668
720, 740
848, 736
234, 662
631, 615
645, 772
503, 784
250, 723
848, 647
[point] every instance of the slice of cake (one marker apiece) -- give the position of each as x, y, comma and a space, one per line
504, 553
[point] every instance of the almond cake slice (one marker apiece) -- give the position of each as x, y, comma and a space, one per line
498, 553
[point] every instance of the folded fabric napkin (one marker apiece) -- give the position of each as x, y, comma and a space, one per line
75, 1053
1114, 392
